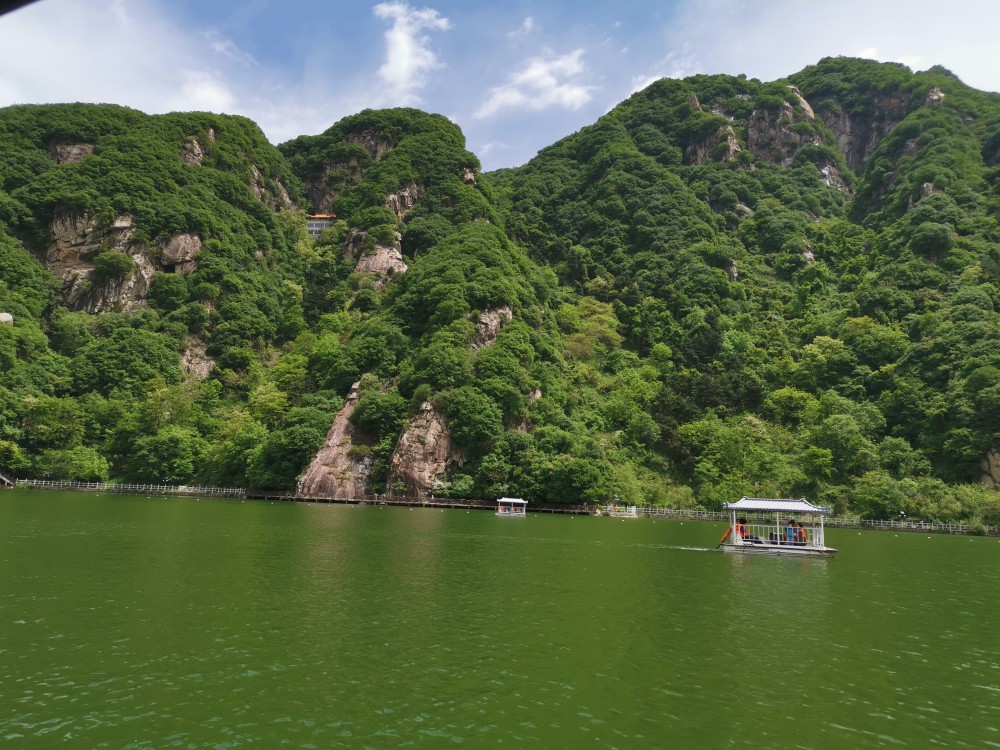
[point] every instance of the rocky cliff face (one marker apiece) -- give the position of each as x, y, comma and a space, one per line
180, 254
991, 469
773, 137
423, 454
70, 153
384, 261
702, 152
195, 362
489, 325
372, 141
77, 238
402, 202
859, 136
335, 472
274, 196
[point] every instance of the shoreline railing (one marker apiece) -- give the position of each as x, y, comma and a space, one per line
682, 514
128, 488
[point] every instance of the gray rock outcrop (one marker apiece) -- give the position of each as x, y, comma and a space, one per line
831, 176
276, 199
489, 324
385, 261
191, 152
372, 141
934, 96
70, 153
335, 472
858, 137
991, 469
771, 137
423, 454
195, 362
6, 319
402, 202
806, 109
701, 152
78, 237
180, 254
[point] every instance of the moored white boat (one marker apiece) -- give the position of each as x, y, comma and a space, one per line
763, 526
512, 507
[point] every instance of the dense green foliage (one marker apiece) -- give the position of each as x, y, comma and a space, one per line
712, 292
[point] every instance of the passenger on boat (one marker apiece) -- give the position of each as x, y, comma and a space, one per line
741, 528
791, 531
800, 535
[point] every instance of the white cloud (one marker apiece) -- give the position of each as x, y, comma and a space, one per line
542, 83
203, 91
527, 27
227, 48
64, 51
781, 37
409, 57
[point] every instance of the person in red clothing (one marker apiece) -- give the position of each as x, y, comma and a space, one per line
800, 535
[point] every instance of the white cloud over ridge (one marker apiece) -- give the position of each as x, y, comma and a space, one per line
542, 83
527, 27
409, 57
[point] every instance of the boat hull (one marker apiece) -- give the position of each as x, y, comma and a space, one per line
786, 550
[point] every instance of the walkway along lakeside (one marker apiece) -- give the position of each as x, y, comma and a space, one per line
680, 514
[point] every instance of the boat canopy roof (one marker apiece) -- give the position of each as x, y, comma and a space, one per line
512, 501
781, 506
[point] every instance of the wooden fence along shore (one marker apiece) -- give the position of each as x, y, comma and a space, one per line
681, 514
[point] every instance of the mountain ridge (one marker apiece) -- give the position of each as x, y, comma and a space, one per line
721, 287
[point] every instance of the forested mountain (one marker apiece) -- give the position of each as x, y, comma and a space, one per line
722, 287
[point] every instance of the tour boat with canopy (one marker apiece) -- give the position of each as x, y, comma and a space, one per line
776, 527
511, 507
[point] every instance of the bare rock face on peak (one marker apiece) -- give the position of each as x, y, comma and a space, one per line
859, 135
371, 140
934, 96
721, 146
772, 137
806, 109
337, 471
192, 152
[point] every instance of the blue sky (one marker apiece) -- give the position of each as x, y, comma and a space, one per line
515, 75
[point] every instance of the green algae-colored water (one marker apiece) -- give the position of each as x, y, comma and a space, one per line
158, 623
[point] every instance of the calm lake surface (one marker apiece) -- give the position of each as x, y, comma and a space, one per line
158, 623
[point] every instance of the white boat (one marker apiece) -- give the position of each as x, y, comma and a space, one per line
761, 526
512, 507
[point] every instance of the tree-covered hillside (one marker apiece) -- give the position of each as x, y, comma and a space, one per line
722, 287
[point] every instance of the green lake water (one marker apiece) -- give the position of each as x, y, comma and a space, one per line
159, 623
